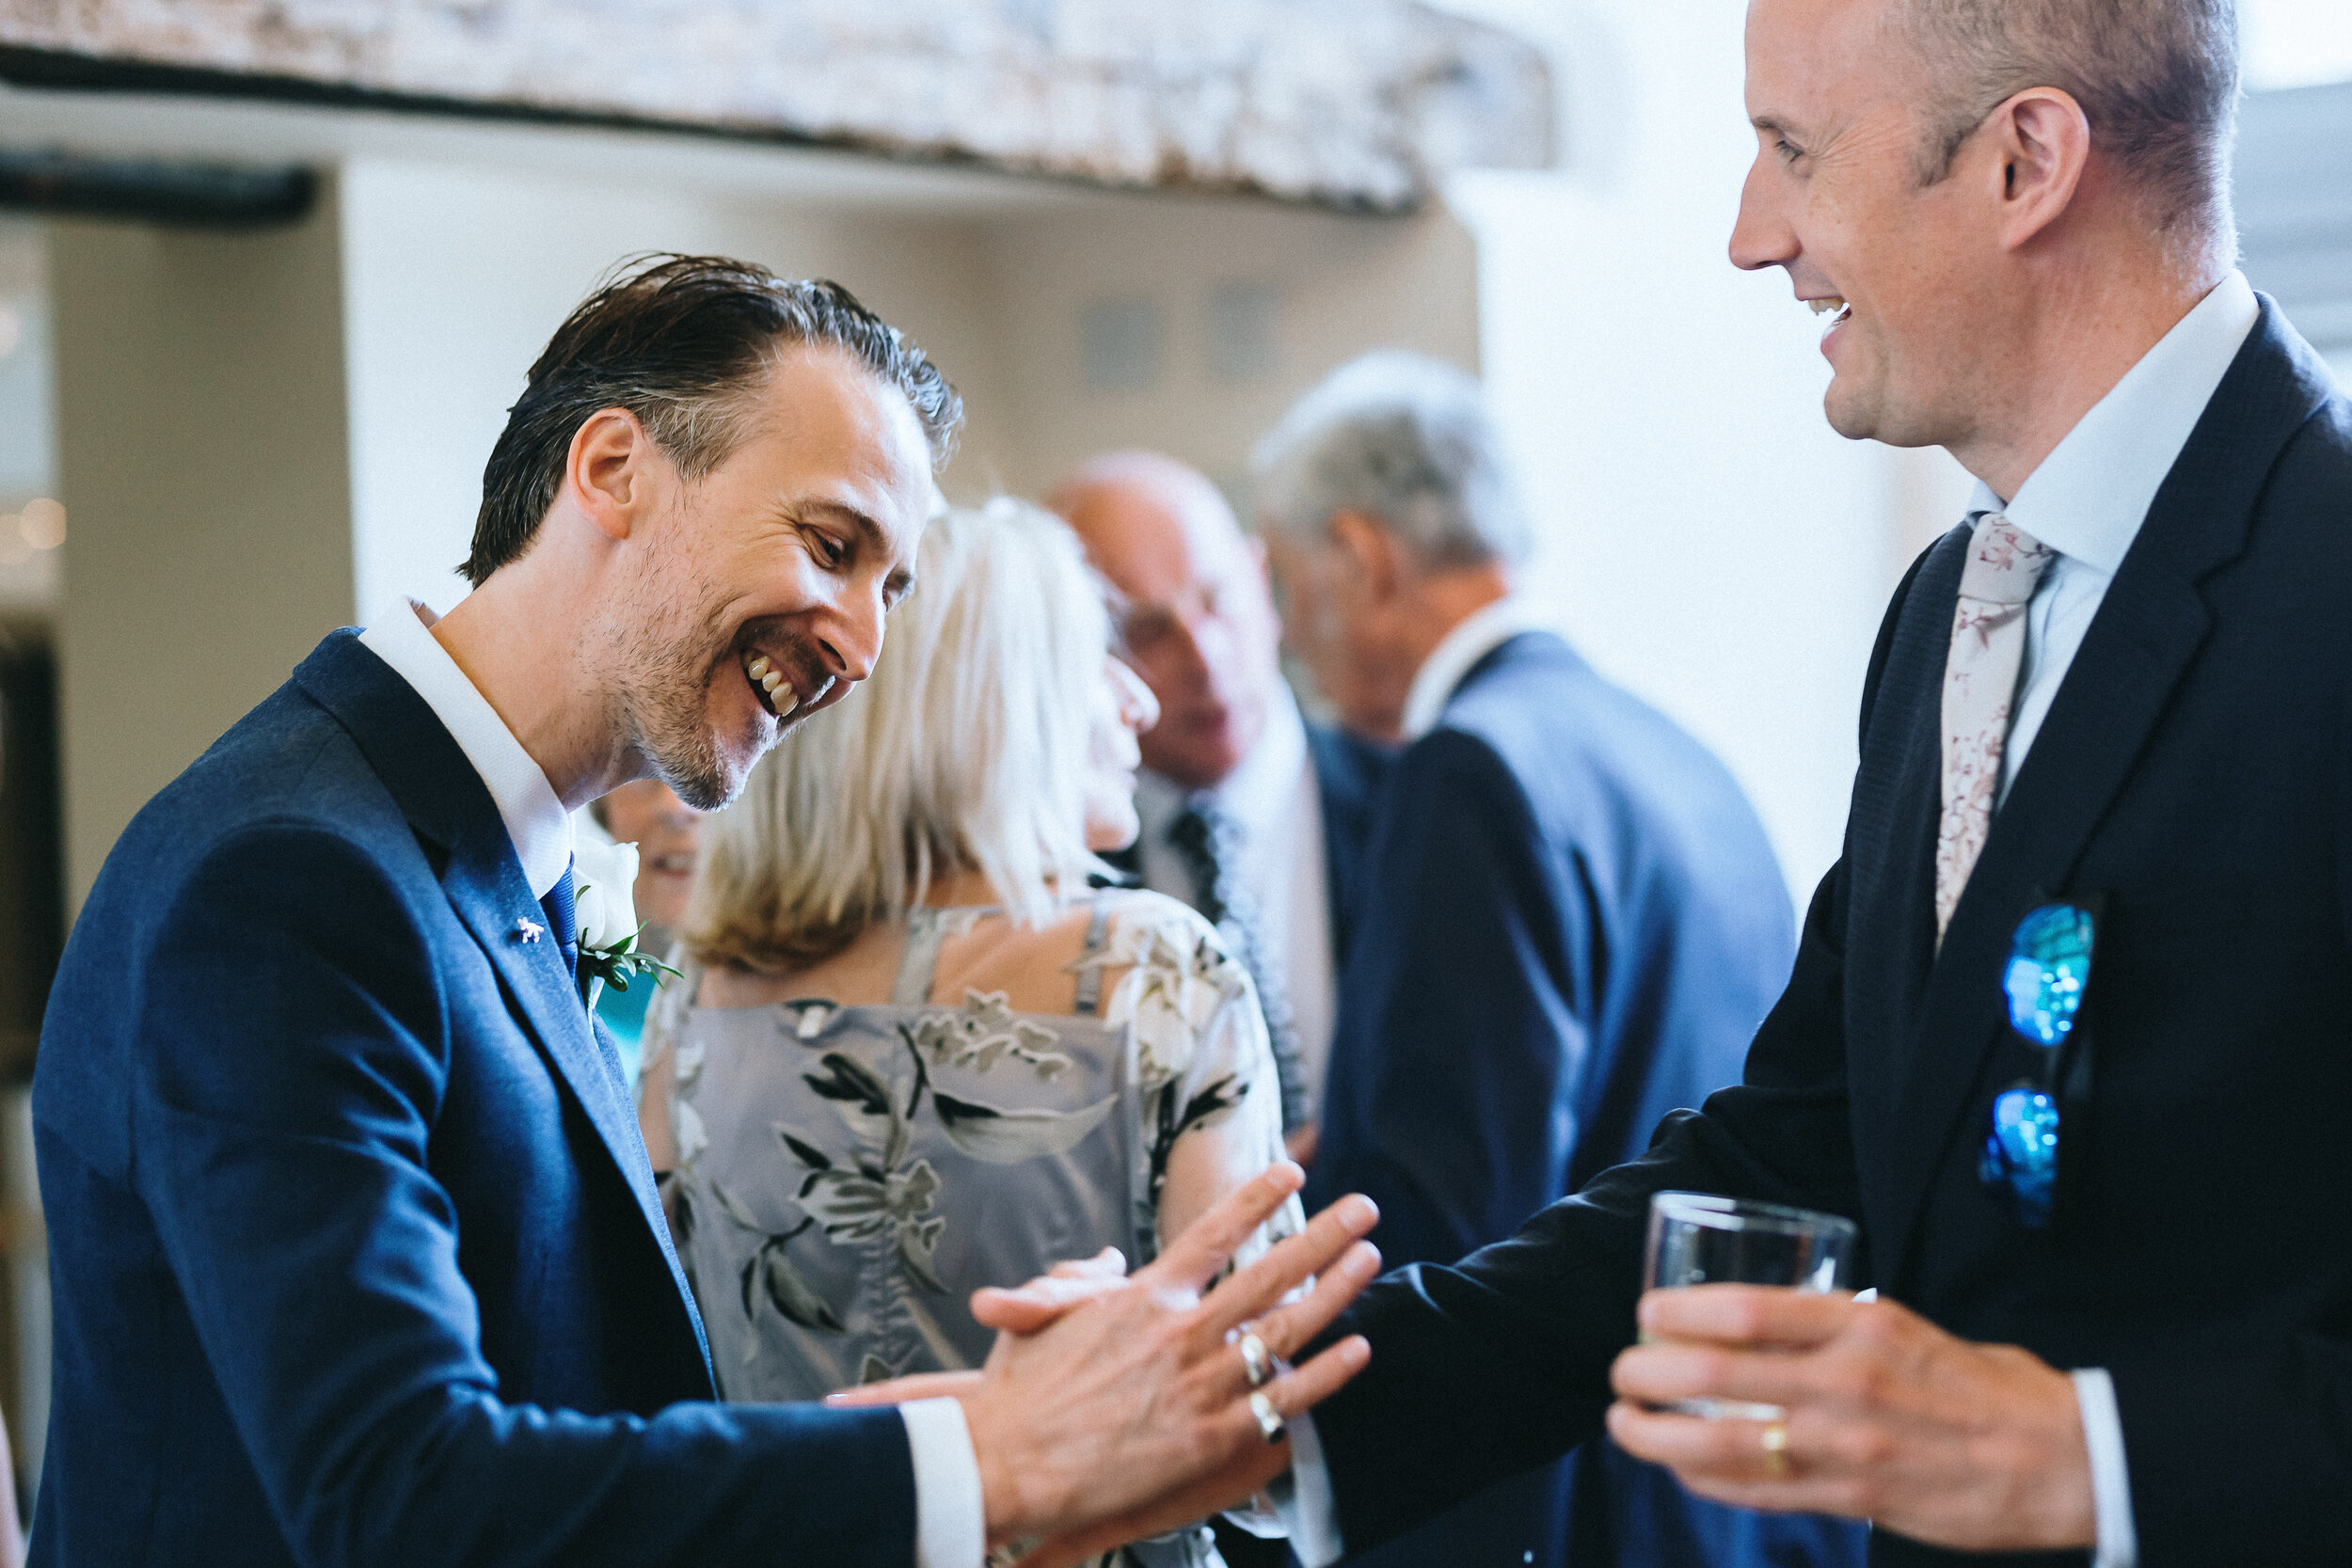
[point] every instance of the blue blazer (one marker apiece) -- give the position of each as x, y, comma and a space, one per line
355, 1251
1569, 923
2196, 770
1350, 773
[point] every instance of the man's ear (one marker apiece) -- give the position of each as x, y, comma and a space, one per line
2041, 144
608, 472
1377, 555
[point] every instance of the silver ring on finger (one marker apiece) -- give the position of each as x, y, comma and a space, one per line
1255, 1360
1269, 1419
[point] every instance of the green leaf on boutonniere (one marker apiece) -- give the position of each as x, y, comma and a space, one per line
620, 962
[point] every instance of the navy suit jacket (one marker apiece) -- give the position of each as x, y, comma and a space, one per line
355, 1251
1350, 773
2196, 769
1568, 923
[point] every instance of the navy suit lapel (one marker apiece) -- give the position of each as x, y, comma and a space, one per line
449, 806
485, 888
1350, 775
2145, 637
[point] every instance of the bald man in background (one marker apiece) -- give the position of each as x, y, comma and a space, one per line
1250, 815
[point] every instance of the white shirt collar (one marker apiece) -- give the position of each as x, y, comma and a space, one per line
1452, 660
2090, 494
535, 819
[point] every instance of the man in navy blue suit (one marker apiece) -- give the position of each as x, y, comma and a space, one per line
1252, 814
1570, 921
355, 1253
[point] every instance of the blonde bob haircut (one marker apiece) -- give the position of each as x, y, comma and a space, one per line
966, 748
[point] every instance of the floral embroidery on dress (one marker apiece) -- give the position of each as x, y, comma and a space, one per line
982, 1031
1177, 977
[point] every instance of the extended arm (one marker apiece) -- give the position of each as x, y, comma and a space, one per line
1502, 1361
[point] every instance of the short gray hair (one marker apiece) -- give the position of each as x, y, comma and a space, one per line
2157, 80
1402, 439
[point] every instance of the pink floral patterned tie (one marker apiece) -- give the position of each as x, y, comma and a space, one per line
1980, 683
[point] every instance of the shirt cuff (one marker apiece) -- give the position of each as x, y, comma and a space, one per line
950, 1517
2110, 1479
1308, 1510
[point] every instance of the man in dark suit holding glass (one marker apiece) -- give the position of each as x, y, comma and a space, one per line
2120, 685
2114, 1313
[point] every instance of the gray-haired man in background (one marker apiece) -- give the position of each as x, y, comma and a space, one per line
1569, 920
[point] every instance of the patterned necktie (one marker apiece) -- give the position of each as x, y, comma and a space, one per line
1208, 841
2005, 566
562, 913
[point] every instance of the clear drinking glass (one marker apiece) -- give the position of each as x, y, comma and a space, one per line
1701, 1238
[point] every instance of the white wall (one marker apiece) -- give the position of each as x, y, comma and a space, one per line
199, 437
2295, 43
1189, 324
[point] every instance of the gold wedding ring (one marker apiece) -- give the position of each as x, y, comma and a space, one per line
1775, 1440
1254, 1359
1269, 1419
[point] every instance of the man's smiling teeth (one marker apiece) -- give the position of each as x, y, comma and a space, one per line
1832, 304
780, 696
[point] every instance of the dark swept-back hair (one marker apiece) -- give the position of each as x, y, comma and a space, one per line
678, 341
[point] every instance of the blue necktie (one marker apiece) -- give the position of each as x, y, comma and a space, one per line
563, 921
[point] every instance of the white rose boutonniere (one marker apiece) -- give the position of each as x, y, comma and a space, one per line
604, 899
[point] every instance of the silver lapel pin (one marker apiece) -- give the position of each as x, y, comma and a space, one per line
529, 930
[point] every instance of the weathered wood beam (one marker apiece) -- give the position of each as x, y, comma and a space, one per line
148, 190
1351, 102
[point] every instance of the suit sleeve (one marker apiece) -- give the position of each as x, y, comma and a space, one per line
1463, 1013
1501, 1363
289, 1074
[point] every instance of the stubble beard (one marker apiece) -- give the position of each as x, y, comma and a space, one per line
671, 659
667, 701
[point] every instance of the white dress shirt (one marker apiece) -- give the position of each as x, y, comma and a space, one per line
2087, 501
950, 1521
1274, 799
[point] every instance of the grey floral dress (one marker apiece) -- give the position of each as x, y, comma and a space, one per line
848, 1174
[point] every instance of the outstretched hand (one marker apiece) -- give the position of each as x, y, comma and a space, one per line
1113, 1407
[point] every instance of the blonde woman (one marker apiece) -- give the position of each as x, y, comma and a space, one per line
913, 1051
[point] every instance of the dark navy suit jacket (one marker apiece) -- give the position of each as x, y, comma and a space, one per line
1569, 923
1350, 773
2196, 769
354, 1250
